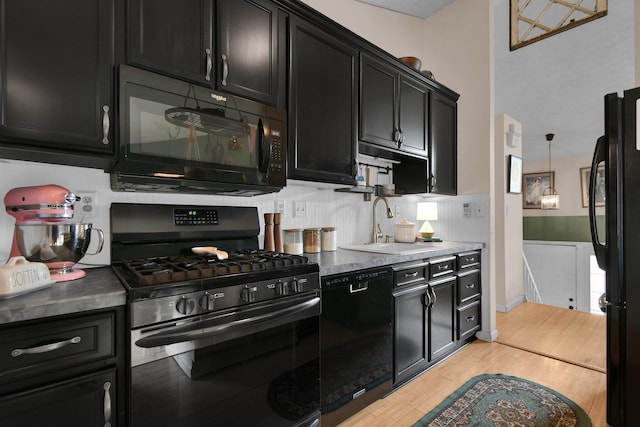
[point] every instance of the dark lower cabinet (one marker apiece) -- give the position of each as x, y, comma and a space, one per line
442, 314
322, 106
436, 311
56, 91
87, 401
63, 371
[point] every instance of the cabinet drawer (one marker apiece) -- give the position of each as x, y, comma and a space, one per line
468, 259
441, 267
411, 274
468, 320
54, 345
468, 286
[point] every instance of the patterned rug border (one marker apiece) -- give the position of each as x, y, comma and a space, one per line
583, 419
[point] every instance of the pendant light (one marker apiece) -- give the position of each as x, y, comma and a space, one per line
550, 198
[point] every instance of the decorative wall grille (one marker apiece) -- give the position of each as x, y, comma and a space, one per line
534, 20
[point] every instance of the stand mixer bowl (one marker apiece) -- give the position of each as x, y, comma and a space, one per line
59, 246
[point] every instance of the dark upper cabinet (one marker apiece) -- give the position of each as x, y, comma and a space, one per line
172, 37
443, 145
394, 108
235, 46
248, 48
322, 106
56, 90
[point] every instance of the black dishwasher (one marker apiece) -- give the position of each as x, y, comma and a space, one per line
356, 341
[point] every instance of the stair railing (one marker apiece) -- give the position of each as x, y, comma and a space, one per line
531, 292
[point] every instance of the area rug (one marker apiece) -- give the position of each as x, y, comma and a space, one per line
505, 401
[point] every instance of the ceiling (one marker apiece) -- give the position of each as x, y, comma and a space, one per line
555, 85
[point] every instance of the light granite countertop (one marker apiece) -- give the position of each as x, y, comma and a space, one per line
99, 289
102, 289
343, 260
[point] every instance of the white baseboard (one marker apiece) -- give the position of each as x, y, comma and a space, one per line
513, 304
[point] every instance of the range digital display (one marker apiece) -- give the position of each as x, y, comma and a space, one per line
188, 216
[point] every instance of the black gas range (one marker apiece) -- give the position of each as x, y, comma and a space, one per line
215, 331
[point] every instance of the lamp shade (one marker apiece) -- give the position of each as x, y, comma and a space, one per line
427, 211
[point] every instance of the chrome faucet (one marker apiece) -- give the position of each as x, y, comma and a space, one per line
376, 233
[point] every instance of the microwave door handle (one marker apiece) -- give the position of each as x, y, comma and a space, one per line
599, 156
264, 148
199, 332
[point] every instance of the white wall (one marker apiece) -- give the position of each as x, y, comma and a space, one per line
508, 248
396, 33
567, 184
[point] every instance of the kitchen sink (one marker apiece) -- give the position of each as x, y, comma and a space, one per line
394, 248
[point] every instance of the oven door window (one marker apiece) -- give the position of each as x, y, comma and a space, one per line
266, 378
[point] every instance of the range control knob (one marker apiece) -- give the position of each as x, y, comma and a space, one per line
295, 286
207, 301
185, 305
249, 293
282, 288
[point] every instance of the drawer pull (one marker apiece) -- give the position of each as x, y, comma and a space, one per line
443, 267
471, 318
470, 286
45, 348
469, 259
105, 125
107, 404
414, 274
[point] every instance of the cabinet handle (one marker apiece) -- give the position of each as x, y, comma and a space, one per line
207, 76
396, 135
107, 404
225, 70
443, 267
45, 348
470, 286
427, 301
105, 124
471, 318
414, 274
401, 139
435, 297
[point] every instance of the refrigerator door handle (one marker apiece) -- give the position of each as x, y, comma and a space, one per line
599, 156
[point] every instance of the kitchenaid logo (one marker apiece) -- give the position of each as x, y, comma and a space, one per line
219, 97
27, 277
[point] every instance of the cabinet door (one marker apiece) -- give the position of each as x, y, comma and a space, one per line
172, 37
414, 116
56, 63
248, 48
442, 318
85, 401
411, 332
322, 106
443, 151
378, 105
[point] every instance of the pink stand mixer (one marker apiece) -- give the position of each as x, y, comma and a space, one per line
40, 234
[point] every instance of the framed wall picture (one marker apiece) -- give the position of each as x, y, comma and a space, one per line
514, 184
533, 185
600, 187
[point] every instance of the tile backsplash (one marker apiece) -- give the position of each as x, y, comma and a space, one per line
348, 212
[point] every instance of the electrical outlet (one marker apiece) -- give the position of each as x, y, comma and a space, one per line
86, 206
299, 209
397, 211
279, 207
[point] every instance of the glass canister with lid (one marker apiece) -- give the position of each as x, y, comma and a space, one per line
329, 239
311, 240
292, 242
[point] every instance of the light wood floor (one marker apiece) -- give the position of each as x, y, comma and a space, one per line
586, 387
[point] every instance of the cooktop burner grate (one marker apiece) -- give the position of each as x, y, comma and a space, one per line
167, 269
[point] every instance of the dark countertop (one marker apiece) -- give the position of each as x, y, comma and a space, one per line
343, 260
102, 289
99, 289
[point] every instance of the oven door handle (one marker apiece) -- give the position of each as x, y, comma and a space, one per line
178, 334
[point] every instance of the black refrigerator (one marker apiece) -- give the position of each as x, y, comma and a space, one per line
617, 249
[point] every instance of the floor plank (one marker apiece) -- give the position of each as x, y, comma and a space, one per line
536, 327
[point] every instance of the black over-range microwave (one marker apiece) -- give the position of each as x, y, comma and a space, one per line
179, 137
